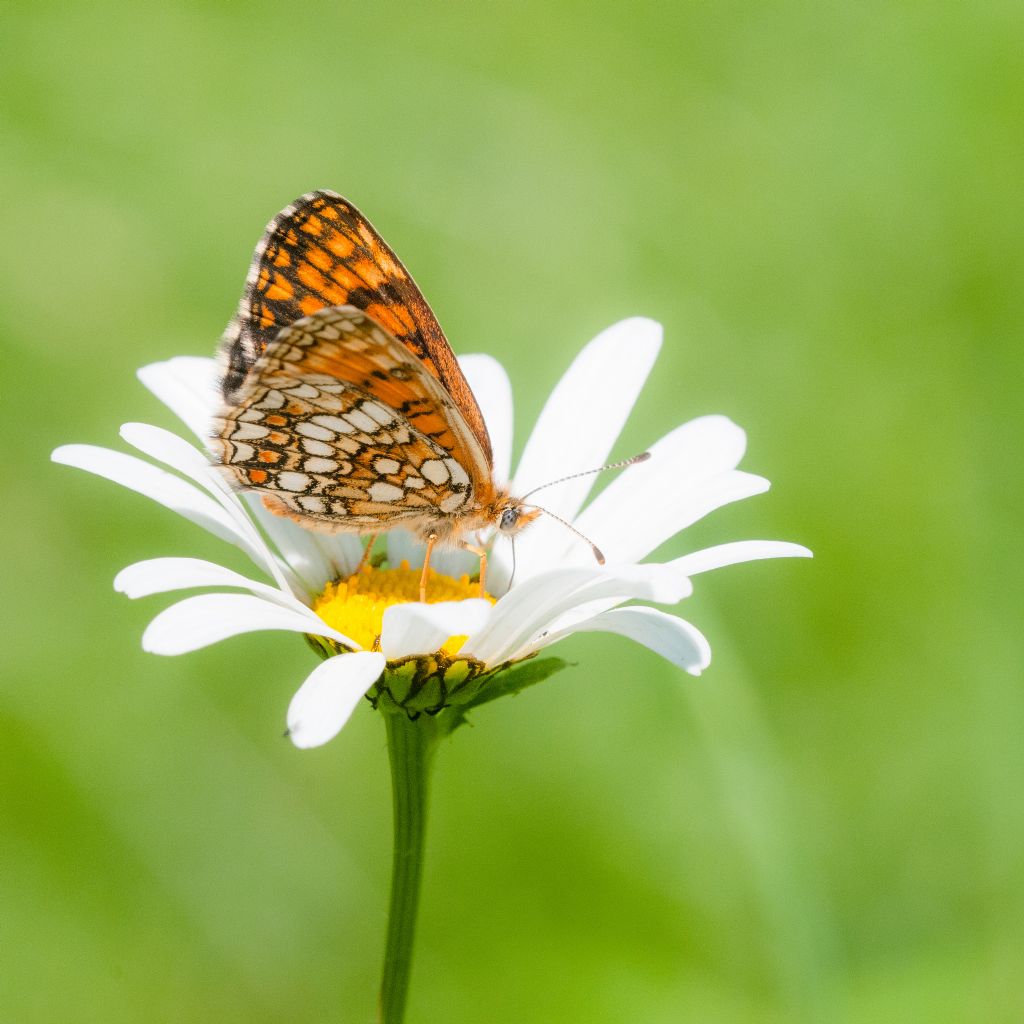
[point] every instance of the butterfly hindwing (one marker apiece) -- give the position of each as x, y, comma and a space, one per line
319, 252
336, 425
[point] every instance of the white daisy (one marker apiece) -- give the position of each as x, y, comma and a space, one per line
458, 650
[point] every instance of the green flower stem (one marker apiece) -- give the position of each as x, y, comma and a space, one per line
410, 748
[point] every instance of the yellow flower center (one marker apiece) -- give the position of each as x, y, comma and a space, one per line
355, 606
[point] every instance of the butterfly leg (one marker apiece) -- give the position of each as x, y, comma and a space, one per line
367, 551
481, 553
431, 541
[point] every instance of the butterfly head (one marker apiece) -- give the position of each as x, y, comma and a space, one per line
514, 515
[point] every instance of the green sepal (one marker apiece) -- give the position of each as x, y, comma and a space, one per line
507, 681
429, 697
320, 645
517, 677
456, 674
446, 687
400, 680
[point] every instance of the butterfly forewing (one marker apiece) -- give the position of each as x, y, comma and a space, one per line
321, 252
337, 425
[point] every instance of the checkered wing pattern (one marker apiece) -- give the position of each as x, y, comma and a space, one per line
321, 251
337, 425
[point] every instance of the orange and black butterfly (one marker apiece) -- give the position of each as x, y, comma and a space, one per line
344, 406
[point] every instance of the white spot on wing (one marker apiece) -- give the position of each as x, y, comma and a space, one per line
435, 471
318, 465
336, 423
387, 466
311, 503
381, 491
360, 421
380, 413
248, 432
311, 447
459, 475
315, 431
291, 481
273, 399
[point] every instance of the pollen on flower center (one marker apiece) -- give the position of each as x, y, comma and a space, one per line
355, 606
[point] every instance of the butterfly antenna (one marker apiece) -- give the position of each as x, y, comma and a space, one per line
593, 547
642, 457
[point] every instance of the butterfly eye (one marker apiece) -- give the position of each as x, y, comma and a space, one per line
509, 520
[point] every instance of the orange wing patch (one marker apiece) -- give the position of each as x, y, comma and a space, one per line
321, 252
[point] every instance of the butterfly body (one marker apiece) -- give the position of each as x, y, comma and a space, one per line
344, 407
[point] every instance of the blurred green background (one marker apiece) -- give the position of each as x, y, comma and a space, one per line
823, 204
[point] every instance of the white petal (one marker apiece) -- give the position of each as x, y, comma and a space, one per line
493, 391
454, 562
658, 523
644, 505
344, 550
648, 499
200, 621
187, 385
174, 451
698, 450
737, 551
160, 575
162, 487
586, 412
711, 495
529, 610
315, 557
673, 638
634, 536
422, 628
404, 547
326, 700
653, 521
177, 453
575, 432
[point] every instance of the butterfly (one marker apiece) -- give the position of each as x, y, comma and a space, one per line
344, 406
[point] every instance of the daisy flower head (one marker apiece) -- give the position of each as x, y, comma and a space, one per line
361, 611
